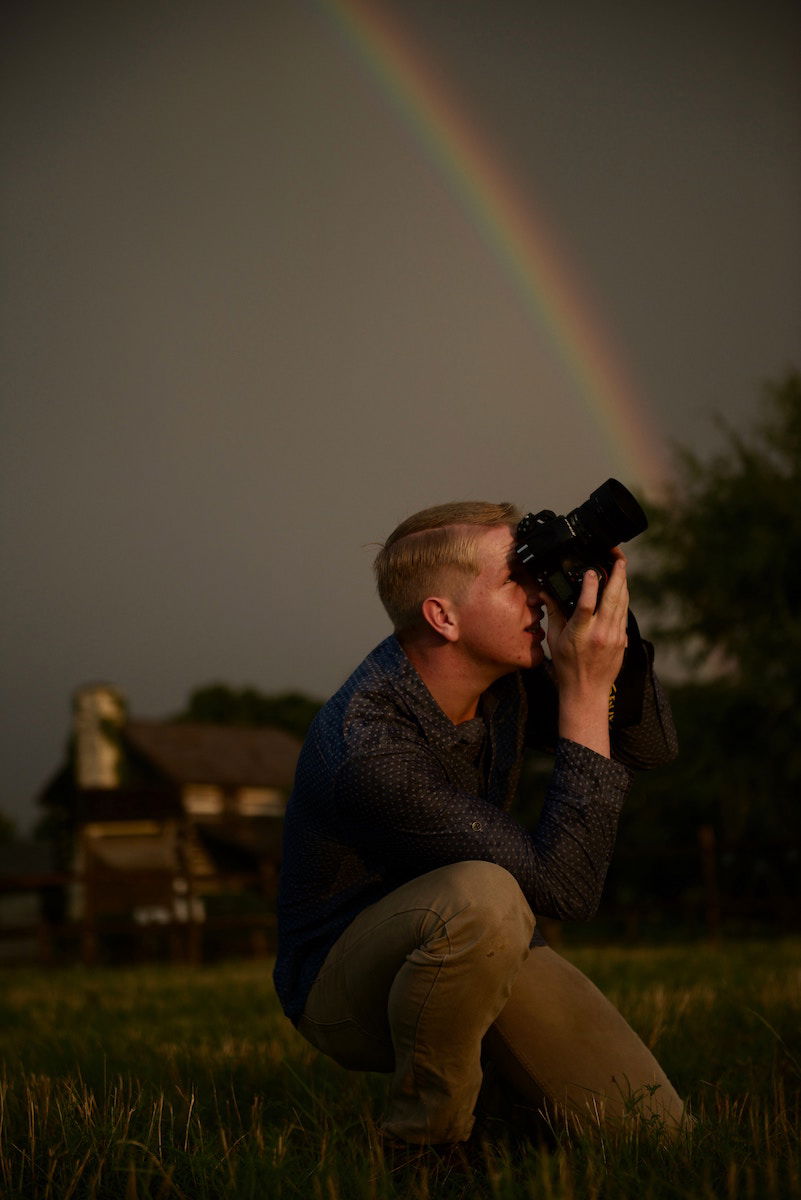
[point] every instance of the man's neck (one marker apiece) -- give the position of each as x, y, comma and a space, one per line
456, 686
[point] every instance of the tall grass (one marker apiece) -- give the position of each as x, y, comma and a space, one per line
167, 1082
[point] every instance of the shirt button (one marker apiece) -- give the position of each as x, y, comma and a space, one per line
476, 826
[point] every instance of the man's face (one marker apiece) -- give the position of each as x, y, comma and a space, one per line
499, 612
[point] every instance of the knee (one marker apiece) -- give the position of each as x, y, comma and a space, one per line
491, 896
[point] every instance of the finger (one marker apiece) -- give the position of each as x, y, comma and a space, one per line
616, 592
588, 597
613, 612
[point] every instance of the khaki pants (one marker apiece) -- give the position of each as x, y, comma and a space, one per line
440, 970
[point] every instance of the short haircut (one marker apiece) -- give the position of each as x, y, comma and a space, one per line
433, 548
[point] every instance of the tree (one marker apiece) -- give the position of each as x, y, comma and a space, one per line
8, 830
723, 582
726, 550
218, 704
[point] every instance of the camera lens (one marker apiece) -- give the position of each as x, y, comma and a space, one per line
611, 515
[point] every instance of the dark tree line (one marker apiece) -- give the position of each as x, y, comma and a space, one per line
721, 586
218, 704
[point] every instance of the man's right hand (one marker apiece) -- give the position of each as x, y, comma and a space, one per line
587, 653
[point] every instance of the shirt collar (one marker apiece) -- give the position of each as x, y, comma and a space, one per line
435, 725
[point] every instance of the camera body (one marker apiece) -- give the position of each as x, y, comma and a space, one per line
557, 550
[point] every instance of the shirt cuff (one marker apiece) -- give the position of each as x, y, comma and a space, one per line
584, 772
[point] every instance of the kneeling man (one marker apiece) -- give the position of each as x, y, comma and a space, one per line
407, 936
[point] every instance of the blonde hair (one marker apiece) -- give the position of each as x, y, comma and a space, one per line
433, 547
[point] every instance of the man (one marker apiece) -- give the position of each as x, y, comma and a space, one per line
407, 939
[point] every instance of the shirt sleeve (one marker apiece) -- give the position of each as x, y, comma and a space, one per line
406, 817
650, 741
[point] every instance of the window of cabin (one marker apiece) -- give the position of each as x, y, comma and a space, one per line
260, 802
203, 800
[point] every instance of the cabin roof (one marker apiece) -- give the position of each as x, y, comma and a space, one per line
225, 755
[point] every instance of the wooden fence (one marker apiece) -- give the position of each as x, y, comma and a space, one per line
200, 936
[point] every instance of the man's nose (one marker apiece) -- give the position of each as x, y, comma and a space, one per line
534, 596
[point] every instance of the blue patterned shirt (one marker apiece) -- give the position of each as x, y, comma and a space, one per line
388, 788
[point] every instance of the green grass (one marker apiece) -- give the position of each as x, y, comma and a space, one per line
179, 1082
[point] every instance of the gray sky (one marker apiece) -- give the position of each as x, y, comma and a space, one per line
248, 324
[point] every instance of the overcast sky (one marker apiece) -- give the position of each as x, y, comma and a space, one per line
249, 323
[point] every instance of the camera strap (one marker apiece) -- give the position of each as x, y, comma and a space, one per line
628, 691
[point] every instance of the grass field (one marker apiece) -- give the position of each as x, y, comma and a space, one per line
188, 1083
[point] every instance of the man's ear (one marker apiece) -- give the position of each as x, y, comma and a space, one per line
441, 616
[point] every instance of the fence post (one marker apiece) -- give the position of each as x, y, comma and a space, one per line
707, 843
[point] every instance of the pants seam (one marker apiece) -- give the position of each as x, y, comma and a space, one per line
522, 1060
368, 933
424, 1005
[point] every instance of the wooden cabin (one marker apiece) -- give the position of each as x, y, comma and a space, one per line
168, 826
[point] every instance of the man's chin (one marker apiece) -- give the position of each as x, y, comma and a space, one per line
536, 655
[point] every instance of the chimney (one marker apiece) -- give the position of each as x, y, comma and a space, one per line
99, 713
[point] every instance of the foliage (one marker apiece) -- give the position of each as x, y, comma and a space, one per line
726, 549
218, 704
8, 830
175, 1083
723, 583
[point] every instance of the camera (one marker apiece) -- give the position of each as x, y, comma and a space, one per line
558, 550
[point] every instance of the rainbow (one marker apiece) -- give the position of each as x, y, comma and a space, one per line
516, 234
